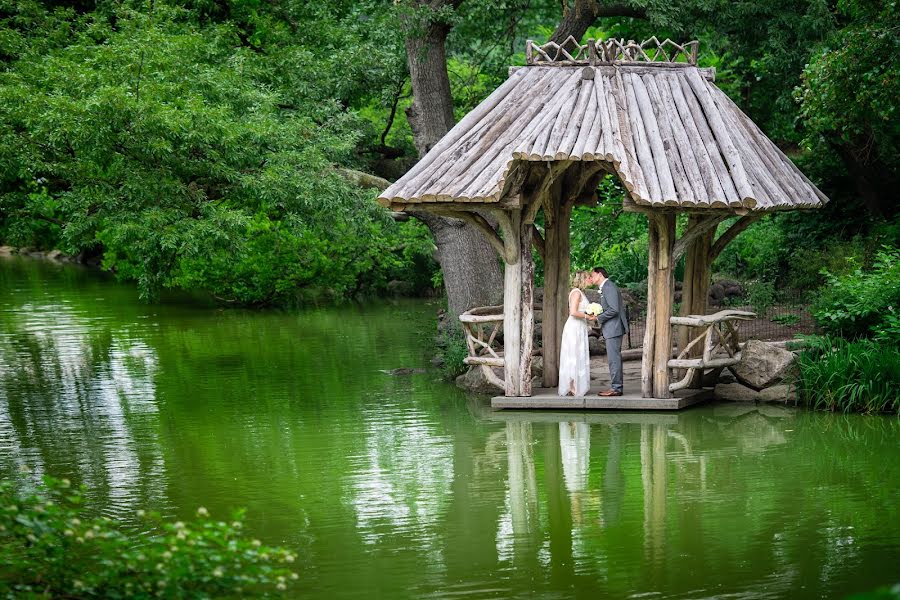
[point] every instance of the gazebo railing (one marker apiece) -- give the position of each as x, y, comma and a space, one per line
483, 327
613, 50
721, 343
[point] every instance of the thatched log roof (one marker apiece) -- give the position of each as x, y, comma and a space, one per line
671, 136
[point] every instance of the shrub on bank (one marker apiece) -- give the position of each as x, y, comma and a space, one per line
50, 547
863, 303
836, 374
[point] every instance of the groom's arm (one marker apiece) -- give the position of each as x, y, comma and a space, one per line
610, 304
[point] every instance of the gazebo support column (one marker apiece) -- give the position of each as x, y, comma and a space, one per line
556, 284
695, 288
660, 285
518, 303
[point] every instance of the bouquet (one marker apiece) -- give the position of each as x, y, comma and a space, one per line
593, 309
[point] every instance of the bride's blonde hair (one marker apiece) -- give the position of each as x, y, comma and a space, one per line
580, 279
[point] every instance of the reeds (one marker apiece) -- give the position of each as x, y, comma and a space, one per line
849, 376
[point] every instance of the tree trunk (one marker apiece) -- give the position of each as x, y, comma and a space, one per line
470, 266
875, 182
578, 17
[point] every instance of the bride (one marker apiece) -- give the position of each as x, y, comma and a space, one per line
574, 356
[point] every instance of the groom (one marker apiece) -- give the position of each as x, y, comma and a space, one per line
613, 324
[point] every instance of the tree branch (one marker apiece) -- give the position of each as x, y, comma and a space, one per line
364, 180
732, 232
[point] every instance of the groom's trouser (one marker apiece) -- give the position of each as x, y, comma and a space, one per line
614, 356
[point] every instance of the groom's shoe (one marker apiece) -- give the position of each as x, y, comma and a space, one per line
608, 393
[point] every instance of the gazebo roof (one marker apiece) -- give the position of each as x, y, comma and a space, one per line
672, 137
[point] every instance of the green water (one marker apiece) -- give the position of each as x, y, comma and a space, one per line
395, 487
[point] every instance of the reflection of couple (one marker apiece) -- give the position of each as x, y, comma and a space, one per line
574, 355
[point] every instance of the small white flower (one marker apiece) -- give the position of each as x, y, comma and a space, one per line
256, 543
217, 572
68, 533
89, 534
202, 512
281, 586
141, 513
294, 576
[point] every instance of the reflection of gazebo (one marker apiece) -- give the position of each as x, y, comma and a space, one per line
544, 139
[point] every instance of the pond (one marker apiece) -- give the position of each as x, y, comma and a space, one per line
402, 486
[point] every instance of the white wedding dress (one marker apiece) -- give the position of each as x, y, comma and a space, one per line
574, 356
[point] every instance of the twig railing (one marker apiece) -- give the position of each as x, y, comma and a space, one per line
483, 327
721, 344
611, 51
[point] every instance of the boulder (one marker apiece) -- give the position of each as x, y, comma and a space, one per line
596, 346
7, 250
474, 380
399, 287
779, 394
716, 294
593, 295
763, 365
735, 392
55, 255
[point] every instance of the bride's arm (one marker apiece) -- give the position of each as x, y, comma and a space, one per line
573, 306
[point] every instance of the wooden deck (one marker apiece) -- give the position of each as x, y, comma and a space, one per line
544, 398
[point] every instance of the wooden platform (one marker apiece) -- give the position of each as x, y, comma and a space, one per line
544, 398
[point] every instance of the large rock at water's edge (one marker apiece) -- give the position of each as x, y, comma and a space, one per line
779, 394
474, 380
596, 346
735, 392
7, 250
762, 365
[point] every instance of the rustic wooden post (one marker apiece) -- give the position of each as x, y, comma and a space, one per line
518, 301
512, 303
556, 284
695, 288
660, 284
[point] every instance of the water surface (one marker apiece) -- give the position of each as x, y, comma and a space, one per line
396, 487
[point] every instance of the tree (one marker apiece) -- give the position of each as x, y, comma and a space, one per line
470, 266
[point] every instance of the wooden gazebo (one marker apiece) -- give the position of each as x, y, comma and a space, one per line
543, 140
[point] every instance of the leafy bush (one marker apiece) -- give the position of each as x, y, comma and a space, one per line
863, 303
839, 375
454, 351
761, 295
51, 548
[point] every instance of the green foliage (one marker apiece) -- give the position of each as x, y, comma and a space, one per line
51, 547
453, 351
188, 159
849, 88
849, 376
755, 254
786, 319
761, 295
864, 303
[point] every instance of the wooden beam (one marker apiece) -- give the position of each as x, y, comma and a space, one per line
696, 228
526, 277
731, 233
510, 225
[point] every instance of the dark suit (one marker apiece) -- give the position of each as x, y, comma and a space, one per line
613, 324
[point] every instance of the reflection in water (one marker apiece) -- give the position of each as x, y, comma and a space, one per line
70, 391
400, 486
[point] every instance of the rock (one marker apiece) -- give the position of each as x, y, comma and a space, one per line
679, 285
538, 333
596, 346
779, 394
735, 392
7, 250
677, 296
537, 366
592, 295
716, 294
711, 378
55, 255
474, 380
438, 361
762, 365
538, 295
403, 371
